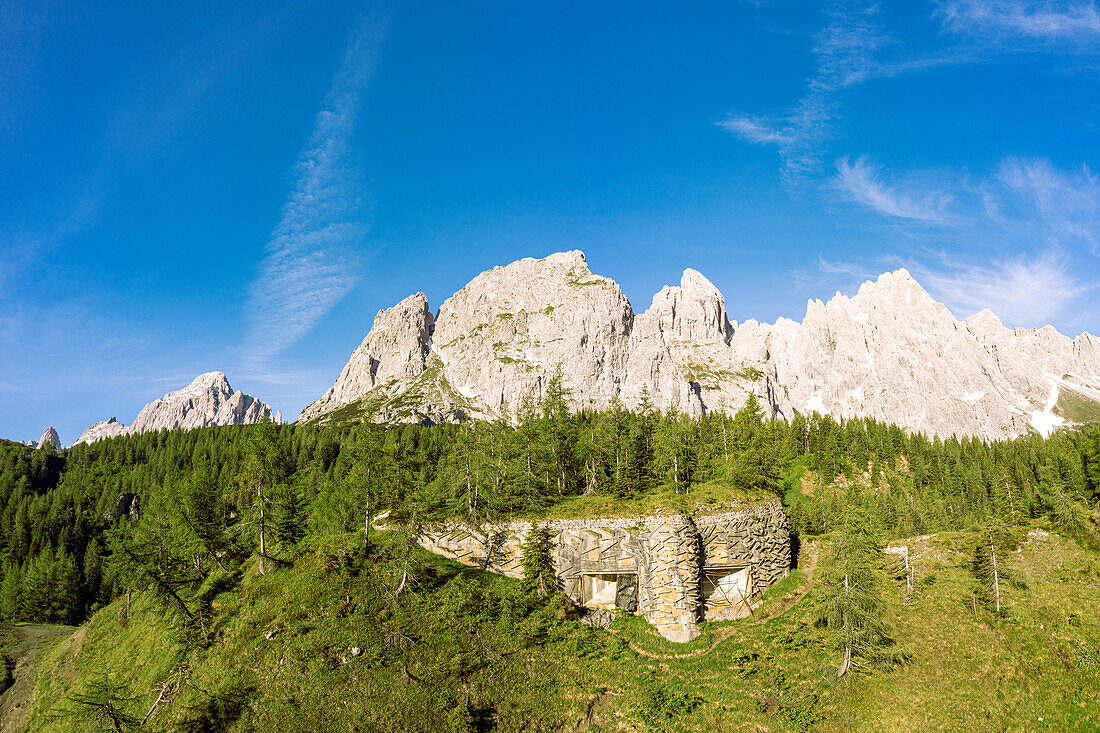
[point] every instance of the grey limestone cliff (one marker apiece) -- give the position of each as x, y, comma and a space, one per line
890, 352
49, 437
208, 400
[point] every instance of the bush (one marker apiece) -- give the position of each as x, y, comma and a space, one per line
661, 705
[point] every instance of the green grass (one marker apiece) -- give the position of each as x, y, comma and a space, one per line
131, 642
710, 497
574, 280
708, 376
1076, 407
748, 374
429, 387
468, 651
8, 643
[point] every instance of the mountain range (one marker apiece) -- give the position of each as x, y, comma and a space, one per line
890, 352
208, 400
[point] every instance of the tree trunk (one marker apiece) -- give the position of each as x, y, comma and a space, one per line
996, 580
366, 526
908, 573
263, 532
847, 663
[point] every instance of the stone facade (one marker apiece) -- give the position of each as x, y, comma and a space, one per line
675, 570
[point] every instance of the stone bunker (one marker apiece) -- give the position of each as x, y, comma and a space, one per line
673, 569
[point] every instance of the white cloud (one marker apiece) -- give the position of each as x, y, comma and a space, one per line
843, 52
1003, 19
862, 183
752, 130
1021, 291
839, 267
312, 256
1024, 205
1062, 207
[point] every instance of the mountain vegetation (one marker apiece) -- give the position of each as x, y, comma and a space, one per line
219, 571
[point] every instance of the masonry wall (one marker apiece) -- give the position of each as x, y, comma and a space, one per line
659, 562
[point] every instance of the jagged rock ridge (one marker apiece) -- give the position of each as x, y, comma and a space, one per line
208, 400
890, 352
49, 437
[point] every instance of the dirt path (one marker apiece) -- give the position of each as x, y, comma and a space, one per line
727, 631
30, 641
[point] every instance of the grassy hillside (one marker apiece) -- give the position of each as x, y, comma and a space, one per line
705, 498
464, 650
183, 632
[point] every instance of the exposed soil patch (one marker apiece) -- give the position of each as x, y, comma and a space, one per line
30, 641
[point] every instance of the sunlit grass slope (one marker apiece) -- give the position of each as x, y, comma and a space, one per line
327, 644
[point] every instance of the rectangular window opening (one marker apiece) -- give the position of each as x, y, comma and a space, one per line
609, 590
727, 586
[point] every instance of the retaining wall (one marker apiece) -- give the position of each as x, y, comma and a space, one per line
659, 563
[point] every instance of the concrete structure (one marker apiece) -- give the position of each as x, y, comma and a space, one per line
674, 569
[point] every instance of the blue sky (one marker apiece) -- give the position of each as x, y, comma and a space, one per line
236, 187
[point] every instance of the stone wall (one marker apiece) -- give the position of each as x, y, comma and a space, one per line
659, 565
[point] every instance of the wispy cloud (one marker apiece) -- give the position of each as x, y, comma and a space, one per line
1021, 291
1027, 205
1077, 22
753, 130
838, 267
312, 257
1061, 206
844, 52
863, 183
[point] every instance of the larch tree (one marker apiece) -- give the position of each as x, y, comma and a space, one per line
265, 467
852, 605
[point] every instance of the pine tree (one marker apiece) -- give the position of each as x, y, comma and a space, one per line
538, 575
9, 593
266, 466
364, 479
102, 704
561, 432
673, 457
994, 539
36, 596
851, 603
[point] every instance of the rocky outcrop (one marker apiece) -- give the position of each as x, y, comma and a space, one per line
209, 400
392, 355
49, 437
890, 352
893, 353
101, 430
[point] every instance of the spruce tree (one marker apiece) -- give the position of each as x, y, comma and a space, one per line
9, 593
538, 575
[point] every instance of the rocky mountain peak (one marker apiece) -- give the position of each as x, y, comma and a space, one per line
395, 350
895, 289
207, 400
695, 310
101, 430
210, 381
890, 352
49, 437
499, 337
985, 323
